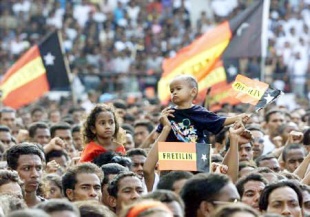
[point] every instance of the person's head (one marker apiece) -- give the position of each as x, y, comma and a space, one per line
110, 170
101, 122
59, 208
63, 131
292, 155
245, 152
29, 213
245, 168
257, 141
54, 116
27, 159
268, 174
269, 161
138, 157
170, 199
77, 137
250, 187
82, 182
305, 190
39, 133
10, 184
183, 89
59, 156
130, 143
235, 210
174, 181
77, 114
10, 203
142, 129
124, 189
93, 209
52, 186
284, 198
120, 108
37, 114
285, 129
112, 157
203, 193
7, 117
5, 136
274, 119
146, 208
306, 139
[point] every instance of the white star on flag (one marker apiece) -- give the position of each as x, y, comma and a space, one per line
242, 27
232, 70
204, 157
268, 98
49, 59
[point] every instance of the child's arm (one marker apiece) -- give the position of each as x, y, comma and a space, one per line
152, 157
242, 117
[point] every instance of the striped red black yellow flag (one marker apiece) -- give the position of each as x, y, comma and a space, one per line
254, 92
240, 37
184, 156
41, 69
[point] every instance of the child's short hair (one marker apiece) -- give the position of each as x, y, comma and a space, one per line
190, 79
90, 121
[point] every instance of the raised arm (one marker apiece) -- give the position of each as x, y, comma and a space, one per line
152, 157
231, 158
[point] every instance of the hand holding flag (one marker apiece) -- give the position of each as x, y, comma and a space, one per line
254, 92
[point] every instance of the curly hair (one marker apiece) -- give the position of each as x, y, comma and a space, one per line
90, 121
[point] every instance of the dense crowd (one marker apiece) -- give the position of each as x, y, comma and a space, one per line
98, 155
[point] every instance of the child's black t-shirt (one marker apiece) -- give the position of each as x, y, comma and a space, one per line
188, 124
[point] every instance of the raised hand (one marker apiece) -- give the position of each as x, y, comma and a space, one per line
163, 118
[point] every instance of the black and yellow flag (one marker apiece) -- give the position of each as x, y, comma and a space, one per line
41, 69
184, 156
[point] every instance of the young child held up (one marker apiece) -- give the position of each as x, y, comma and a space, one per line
100, 132
189, 121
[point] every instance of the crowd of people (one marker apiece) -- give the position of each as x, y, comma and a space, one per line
98, 156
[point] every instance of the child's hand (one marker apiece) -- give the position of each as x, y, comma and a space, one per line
245, 117
163, 119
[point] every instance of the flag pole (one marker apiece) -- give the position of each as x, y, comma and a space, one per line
264, 38
68, 70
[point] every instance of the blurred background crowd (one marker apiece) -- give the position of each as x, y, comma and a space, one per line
116, 48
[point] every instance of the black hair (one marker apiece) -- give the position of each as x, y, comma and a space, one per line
112, 157
113, 185
13, 153
264, 197
69, 178
164, 196
136, 151
55, 153
167, 181
128, 128
306, 138
256, 177
76, 128
264, 157
271, 112
144, 123
290, 147
59, 126
36, 109
57, 205
4, 128
112, 169
200, 188
34, 126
